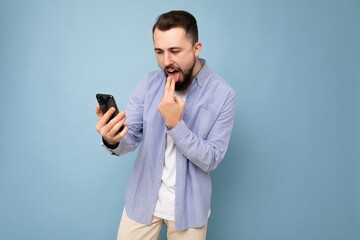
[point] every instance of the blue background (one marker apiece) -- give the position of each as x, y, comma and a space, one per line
292, 170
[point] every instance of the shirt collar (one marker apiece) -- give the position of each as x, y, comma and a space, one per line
202, 75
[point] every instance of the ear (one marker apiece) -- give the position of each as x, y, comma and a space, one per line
197, 48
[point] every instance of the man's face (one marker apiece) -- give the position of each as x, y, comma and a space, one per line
176, 55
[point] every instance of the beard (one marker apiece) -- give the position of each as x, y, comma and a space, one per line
183, 85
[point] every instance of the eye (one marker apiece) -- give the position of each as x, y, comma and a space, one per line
159, 51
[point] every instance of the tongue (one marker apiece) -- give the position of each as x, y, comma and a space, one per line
175, 76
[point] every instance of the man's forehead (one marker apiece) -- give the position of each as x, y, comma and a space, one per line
171, 37
174, 30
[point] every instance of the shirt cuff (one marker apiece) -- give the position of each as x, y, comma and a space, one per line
110, 150
177, 131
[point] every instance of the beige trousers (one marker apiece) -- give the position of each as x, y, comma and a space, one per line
131, 230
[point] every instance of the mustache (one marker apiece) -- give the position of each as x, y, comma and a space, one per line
171, 67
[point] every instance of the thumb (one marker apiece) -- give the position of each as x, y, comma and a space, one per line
98, 111
179, 100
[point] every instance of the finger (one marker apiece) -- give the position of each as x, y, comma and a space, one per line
169, 90
114, 133
116, 123
103, 120
172, 89
98, 111
109, 113
121, 134
167, 87
178, 99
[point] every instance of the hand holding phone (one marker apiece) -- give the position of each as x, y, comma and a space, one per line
106, 101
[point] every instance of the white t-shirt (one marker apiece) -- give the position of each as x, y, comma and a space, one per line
165, 205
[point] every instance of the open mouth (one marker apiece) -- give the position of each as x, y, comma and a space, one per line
173, 73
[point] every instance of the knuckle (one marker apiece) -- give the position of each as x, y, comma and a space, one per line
103, 132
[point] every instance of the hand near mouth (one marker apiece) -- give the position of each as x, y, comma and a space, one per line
171, 107
174, 74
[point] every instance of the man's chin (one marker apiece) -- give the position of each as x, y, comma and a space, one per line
182, 85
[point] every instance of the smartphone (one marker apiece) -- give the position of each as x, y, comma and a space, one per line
106, 101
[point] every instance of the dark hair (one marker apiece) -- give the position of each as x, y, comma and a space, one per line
178, 18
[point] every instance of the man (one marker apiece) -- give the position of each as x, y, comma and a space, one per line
182, 116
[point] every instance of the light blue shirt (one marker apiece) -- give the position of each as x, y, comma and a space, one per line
201, 140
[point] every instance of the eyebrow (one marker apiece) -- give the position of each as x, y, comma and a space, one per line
170, 49
175, 48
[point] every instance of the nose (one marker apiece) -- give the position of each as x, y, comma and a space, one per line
167, 59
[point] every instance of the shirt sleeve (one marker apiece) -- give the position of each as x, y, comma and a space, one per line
134, 114
207, 153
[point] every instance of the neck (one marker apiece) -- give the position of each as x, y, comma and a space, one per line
198, 66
